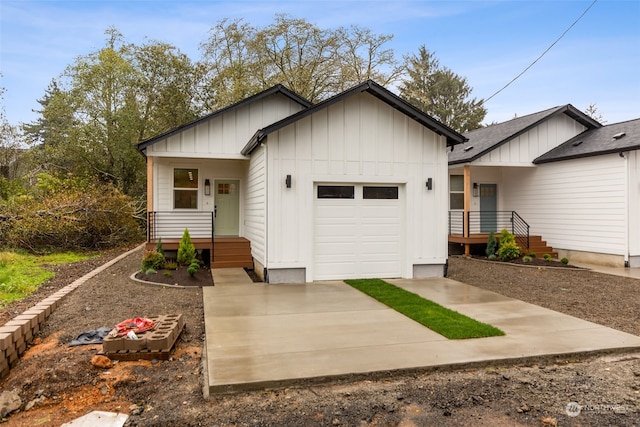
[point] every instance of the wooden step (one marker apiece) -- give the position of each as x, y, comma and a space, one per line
231, 252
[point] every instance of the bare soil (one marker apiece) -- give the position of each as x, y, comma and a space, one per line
169, 393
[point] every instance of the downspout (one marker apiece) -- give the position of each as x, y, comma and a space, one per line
627, 178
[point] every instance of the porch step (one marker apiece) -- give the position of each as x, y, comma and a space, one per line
540, 247
231, 252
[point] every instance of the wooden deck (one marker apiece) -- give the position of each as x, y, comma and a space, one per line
536, 244
226, 252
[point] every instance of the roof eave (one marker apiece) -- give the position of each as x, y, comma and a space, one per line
618, 150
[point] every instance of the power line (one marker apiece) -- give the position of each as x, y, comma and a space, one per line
543, 53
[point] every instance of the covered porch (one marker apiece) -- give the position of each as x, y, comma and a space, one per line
474, 214
215, 251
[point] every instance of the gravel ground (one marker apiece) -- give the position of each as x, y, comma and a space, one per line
61, 384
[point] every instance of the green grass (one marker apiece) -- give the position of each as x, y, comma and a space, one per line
21, 274
447, 323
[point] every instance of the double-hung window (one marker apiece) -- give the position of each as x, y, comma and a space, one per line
185, 188
456, 192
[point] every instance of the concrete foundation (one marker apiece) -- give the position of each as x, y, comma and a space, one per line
606, 260
287, 275
425, 271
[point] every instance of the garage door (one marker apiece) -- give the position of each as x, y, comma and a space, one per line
358, 231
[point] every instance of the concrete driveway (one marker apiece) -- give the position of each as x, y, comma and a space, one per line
260, 336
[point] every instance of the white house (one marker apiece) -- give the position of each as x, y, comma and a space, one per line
574, 182
354, 186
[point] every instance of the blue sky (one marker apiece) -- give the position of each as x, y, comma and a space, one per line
488, 42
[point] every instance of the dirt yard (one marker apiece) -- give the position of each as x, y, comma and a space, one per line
59, 383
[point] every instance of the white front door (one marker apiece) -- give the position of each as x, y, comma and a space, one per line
358, 231
227, 207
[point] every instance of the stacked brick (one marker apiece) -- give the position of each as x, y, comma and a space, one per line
18, 333
153, 344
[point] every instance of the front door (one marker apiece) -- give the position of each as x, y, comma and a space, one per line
227, 207
488, 207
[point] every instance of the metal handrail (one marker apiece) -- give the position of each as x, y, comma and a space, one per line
481, 222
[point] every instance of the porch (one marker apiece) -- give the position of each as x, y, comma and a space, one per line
216, 251
473, 228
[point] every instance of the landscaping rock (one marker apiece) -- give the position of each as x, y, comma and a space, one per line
10, 401
101, 362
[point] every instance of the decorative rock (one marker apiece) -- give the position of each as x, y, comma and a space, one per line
10, 401
102, 362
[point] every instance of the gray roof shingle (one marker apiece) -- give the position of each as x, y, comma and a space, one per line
483, 140
595, 142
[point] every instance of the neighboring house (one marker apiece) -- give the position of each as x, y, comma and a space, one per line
354, 186
573, 181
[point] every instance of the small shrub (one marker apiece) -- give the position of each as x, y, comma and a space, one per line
152, 259
493, 257
492, 244
531, 254
150, 271
565, 260
186, 250
508, 251
167, 274
547, 257
159, 248
171, 265
506, 237
527, 259
193, 268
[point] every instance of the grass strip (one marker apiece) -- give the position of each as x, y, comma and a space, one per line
21, 273
446, 322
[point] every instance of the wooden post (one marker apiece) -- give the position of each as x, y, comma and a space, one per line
149, 189
467, 207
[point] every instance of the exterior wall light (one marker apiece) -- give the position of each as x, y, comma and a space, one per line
476, 189
287, 181
429, 184
207, 187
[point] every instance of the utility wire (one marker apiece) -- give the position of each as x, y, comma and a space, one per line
543, 53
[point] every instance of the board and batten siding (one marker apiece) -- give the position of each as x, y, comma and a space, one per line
575, 204
255, 204
224, 135
357, 140
523, 149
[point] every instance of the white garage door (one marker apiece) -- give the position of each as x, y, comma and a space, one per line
358, 231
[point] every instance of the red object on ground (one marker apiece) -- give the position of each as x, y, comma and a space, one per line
137, 325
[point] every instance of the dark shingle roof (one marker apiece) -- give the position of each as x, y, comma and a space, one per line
374, 89
594, 142
486, 139
265, 93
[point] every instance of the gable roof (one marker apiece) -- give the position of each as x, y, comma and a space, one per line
374, 89
483, 140
258, 96
614, 138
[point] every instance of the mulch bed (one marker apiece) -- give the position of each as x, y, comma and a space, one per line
535, 262
179, 277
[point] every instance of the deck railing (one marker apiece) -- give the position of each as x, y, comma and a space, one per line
171, 225
484, 222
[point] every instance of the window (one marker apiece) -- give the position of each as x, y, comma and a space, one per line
379, 192
335, 191
185, 188
456, 192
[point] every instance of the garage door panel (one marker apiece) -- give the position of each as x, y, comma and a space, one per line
357, 237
